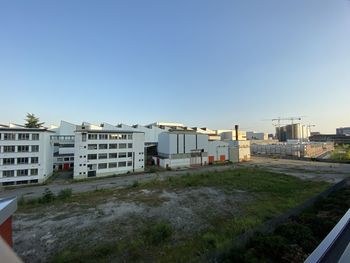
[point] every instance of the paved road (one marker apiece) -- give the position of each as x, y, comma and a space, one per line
103, 183
330, 172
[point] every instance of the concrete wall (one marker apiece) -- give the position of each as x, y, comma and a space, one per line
239, 151
216, 149
257, 136
178, 143
231, 135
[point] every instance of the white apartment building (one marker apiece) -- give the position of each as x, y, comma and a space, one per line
26, 155
101, 152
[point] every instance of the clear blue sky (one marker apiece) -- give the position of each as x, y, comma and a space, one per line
199, 62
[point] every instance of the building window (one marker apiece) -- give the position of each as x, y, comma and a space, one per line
92, 146
34, 160
83, 137
9, 149
22, 148
113, 146
22, 172
33, 171
8, 173
122, 155
113, 155
66, 145
129, 145
114, 136
92, 136
129, 136
102, 166
102, 156
22, 160
122, 145
9, 136
129, 154
124, 136
23, 136
113, 165
92, 156
122, 164
103, 136
8, 161
35, 136
59, 159
102, 146
129, 163
35, 148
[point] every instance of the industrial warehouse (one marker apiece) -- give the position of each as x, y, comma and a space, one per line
29, 156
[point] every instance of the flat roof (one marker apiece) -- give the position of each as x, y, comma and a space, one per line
26, 129
107, 131
7, 207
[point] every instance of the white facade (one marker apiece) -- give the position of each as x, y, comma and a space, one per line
100, 152
257, 136
26, 155
231, 135
63, 141
182, 149
218, 151
239, 151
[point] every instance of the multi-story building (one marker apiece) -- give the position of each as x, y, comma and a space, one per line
294, 131
26, 155
101, 152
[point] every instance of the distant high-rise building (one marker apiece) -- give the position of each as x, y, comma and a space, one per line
343, 130
293, 132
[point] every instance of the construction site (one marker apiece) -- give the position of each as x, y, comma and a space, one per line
292, 140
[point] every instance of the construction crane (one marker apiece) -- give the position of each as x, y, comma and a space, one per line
279, 119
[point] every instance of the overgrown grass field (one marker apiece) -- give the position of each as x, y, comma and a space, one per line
270, 193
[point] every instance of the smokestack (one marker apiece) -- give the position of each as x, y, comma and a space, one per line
236, 128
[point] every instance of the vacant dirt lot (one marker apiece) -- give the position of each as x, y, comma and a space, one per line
196, 213
39, 233
318, 171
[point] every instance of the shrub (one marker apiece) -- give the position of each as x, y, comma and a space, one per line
65, 194
135, 184
158, 233
269, 246
299, 234
47, 196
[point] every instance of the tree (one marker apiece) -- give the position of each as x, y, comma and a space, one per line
32, 121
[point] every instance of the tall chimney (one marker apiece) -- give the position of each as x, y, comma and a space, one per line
236, 128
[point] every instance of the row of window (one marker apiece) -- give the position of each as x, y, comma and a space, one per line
22, 172
19, 136
109, 146
65, 159
94, 136
102, 166
20, 148
22, 160
110, 155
